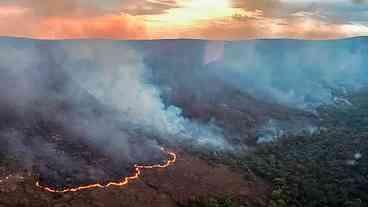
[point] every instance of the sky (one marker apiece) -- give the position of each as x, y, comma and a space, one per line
198, 19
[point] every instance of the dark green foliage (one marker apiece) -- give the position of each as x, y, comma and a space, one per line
326, 169
353, 118
8, 161
223, 202
314, 171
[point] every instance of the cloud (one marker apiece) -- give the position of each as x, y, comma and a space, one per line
66, 19
299, 27
150, 7
120, 26
132, 19
343, 11
112, 27
359, 1
48, 8
260, 4
91, 7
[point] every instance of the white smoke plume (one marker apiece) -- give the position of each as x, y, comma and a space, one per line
117, 76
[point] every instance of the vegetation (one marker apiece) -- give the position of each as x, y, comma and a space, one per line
326, 169
329, 168
223, 202
7, 160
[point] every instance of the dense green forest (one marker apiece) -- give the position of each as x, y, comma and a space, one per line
329, 168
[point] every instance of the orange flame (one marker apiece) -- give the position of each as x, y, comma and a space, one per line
124, 181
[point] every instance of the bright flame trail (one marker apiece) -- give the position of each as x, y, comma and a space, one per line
123, 182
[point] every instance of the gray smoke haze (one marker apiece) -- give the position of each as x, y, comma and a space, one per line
300, 74
99, 91
19, 89
102, 92
80, 112
116, 75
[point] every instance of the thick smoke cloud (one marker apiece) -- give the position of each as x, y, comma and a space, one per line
40, 77
97, 100
117, 76
306, 77
105, 94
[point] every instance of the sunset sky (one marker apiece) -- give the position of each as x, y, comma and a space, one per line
206, 19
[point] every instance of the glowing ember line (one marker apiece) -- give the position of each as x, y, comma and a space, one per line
6, 178
122, 182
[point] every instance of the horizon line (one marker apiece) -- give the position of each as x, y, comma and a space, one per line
173, 39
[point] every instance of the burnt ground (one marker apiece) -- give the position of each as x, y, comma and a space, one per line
35, 147
38, 143
190, 178
46, 138
52, 139
53, 134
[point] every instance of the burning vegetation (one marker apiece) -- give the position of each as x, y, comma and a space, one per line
84, 117
122, 182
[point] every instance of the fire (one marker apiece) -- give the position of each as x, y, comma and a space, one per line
123, 182
6, 178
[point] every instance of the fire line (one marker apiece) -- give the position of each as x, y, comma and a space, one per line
123, 182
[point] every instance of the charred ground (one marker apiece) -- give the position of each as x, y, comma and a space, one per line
47, 117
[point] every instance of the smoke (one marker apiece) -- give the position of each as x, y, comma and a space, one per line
104, 95
275, 129
116, 75
302, 74
18, 89
87, 111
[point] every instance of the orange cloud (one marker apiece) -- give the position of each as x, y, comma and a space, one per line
156, 19
11, 11
112, 27
265, 6
44, 8
16, 21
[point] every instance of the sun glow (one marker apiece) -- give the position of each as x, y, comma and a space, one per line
191, 12
209, 4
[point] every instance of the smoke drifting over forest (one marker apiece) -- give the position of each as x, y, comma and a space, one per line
99, 93
117, 76
292, 72
127, 98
